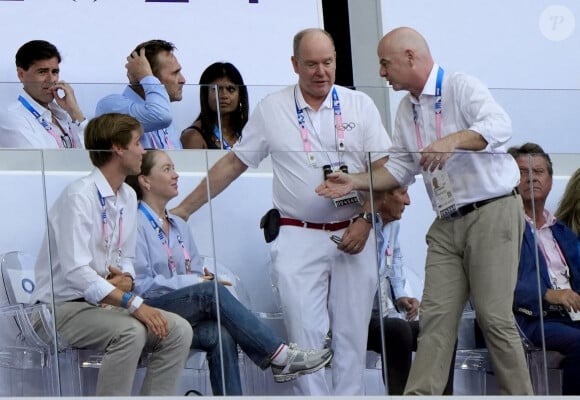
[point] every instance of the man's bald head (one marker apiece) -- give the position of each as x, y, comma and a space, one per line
405, 38
405, 59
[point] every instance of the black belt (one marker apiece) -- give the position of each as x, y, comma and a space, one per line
466, 209
559, 314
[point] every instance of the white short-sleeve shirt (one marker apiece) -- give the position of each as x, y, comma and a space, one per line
273, 130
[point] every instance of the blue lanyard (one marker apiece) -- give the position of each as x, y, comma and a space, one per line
217, 133
437, 107
59, 140
338, 126
165, 242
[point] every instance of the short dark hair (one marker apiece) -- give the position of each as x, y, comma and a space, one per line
106, 130
531, 149
152, 50
147, 164
209, 118
35, 50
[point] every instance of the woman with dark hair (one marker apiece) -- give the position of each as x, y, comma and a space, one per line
224, 109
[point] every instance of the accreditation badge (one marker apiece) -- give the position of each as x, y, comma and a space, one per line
442, 192
347, 200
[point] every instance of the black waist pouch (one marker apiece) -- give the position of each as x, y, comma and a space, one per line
270, 223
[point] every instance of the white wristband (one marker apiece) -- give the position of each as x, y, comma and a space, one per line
135, 304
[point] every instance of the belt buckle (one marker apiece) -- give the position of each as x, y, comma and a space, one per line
323, 227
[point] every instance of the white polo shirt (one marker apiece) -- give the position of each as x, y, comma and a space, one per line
273, 130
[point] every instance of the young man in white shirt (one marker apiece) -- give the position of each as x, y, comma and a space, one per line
91, 239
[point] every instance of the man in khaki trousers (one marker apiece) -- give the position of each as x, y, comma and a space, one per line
450, 129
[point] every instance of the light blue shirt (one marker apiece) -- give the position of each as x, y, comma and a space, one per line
391, 258
153, 112
153, 277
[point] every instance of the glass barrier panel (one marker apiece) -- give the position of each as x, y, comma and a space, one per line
28, 357
226, 229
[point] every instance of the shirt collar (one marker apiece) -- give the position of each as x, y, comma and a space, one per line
102, 184
548, 217
170, 217
302, 104
41, 110
46, 113
431, 83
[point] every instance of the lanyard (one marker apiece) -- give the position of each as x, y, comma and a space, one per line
105, 220
164, 141
550, 262
48, 127
165, 242
338, 127
217, 133
437, 108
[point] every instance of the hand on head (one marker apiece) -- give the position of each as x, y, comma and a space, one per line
138, 66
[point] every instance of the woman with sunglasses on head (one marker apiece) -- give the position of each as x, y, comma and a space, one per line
224, 109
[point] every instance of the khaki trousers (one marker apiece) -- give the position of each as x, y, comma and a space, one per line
475, 255
123, 338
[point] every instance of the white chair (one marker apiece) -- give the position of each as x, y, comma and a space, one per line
34, 344
26, 361
472, 364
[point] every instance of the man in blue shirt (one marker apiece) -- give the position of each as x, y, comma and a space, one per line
155, 80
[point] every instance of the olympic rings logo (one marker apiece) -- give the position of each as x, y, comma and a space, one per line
347, 126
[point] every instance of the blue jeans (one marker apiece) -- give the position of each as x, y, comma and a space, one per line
562, 335
198, 305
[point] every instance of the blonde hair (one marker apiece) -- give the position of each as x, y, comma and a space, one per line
569, 207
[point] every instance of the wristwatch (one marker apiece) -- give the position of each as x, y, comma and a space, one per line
367, 216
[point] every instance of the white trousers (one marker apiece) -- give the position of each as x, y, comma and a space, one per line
322, 288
